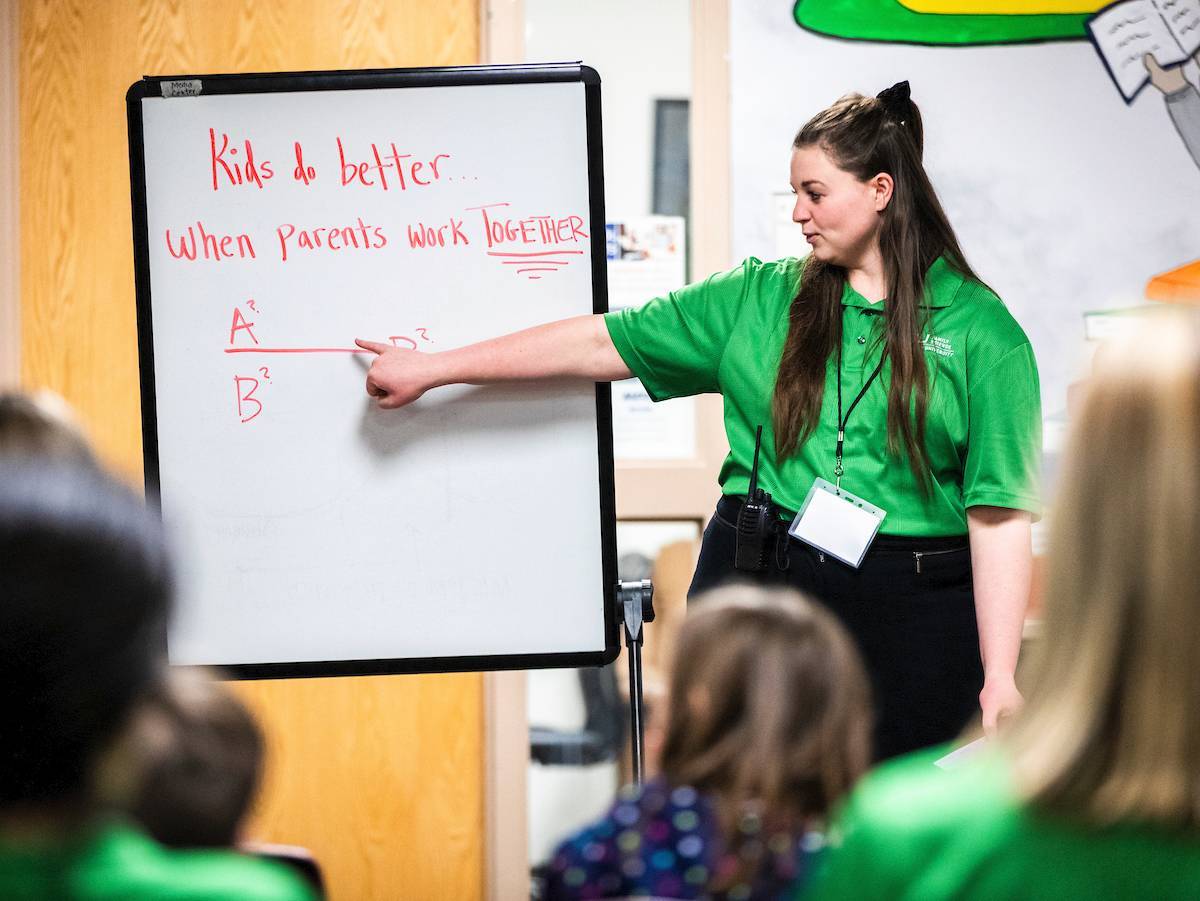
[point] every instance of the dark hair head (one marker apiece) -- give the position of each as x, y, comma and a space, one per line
203, 754
866, 137
84, 589
770, 707
869, 135
42, 426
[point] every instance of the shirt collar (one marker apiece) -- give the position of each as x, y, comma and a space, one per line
941, 285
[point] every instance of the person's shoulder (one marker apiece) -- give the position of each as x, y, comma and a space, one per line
751, 283
124, 863
990, 321
913, 796
785, 269
758, 281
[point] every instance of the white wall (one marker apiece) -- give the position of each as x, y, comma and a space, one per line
642, 51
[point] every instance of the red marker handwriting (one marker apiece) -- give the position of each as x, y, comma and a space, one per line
199, 243
358, 237
245, 387
545, 230
230, 169
387, 167
302, 172
240, 323
429, 236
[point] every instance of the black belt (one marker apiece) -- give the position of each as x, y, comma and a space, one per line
730, 505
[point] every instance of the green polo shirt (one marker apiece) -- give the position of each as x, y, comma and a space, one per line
983, 435
114, 861
913, 832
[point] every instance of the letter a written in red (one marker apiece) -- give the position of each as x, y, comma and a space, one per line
240, 323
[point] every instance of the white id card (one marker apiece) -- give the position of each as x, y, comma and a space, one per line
837, 522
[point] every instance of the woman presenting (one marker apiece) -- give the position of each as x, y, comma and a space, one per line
882, 371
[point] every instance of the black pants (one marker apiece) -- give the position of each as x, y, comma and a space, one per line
909, 606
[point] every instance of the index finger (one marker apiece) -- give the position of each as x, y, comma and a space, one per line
375, 347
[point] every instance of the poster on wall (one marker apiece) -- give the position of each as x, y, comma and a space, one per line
646, 260
1062, 136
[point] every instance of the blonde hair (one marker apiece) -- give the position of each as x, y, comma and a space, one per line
1112, 728
770, 706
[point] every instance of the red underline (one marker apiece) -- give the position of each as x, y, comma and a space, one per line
540, 253
297, 350
536, 269
523, 262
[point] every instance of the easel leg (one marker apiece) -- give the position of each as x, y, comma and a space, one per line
635, 604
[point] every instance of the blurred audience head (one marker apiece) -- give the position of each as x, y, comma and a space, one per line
202, 753
1111, 730
769, 705
42, 426
84, 589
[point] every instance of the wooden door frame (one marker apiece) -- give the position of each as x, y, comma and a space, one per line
10, 209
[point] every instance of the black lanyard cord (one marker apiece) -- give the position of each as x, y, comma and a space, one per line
842, 420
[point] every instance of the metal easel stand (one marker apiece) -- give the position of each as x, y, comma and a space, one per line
635, 605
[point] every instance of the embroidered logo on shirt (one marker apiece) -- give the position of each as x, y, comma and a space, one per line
940, 346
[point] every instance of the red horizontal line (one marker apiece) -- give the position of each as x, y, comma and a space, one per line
534, 278
523, 262
536, 269
540, 253
297, 350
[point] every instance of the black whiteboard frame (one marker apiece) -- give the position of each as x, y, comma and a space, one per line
367, 79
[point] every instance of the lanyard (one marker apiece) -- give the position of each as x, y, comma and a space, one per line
842, 420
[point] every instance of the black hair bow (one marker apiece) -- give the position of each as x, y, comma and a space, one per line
895, 100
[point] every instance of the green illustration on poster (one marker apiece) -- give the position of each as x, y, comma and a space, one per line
947, 22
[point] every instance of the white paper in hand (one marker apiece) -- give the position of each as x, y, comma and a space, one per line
959, 756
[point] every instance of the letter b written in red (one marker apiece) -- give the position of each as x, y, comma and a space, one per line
245, 397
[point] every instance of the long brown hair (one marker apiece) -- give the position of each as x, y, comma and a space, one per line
1110, 732
769, 709
866, 136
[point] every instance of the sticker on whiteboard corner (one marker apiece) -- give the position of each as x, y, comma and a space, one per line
183, 87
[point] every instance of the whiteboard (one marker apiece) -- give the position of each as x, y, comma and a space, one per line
277, 218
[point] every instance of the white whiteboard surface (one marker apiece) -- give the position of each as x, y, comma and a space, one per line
316, 528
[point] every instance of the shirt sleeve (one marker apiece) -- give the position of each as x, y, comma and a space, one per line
674, 344
1004, 434
1184, 109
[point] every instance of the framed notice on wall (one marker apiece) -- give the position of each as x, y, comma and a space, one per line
645, 260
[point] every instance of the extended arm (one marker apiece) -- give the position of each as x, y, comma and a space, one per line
1183, 100
570, 348
1002, 565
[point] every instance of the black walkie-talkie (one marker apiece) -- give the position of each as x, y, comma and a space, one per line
755, 525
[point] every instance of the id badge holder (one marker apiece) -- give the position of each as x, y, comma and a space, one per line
836, 522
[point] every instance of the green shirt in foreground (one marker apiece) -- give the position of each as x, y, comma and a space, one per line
983, 436
912, 831
117, 863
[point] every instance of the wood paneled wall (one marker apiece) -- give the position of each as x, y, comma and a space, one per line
381, 778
